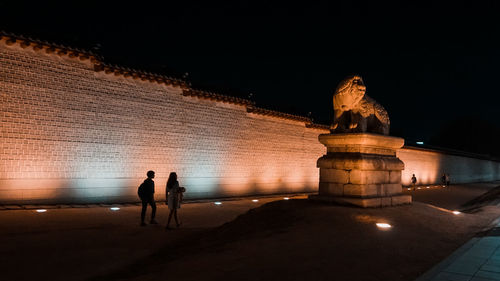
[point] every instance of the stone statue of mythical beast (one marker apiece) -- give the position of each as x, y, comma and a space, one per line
355, 112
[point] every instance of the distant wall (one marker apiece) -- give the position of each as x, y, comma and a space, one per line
429, 165
73, 131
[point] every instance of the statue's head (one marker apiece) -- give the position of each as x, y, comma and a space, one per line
349, 93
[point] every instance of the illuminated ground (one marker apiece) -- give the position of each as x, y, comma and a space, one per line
282, 240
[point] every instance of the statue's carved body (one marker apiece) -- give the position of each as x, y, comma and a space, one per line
355, 112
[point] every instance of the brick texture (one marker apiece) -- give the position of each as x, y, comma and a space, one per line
429, 166
70, 134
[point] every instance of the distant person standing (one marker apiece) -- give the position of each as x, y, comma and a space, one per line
447, 179
413, 181
147, 194
174, 198
443, 179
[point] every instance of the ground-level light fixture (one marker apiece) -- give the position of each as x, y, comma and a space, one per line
420, 142
428, 187
218, 203
383, 225
457, 212
255, 200
285, 198
114, 208
41, 210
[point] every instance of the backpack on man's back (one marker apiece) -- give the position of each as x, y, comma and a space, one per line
140, 191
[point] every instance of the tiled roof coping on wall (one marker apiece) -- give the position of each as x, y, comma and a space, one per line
216, 97
251, 108
452, 152
318, 126
74, 53
100, 66
44, 46
277, 114
138, 74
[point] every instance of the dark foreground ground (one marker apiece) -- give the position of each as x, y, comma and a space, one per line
280, 240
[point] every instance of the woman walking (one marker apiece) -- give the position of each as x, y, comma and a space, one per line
174, 196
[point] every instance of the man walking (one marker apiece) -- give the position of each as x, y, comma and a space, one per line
413, 181
147, 194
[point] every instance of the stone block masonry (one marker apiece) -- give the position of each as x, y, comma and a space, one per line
71, 134
361, 169
428, 165
73, 129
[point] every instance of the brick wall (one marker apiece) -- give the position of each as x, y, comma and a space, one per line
429, 165
71, 134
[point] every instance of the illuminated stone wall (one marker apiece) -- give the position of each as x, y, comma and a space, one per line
71, 134
428, 166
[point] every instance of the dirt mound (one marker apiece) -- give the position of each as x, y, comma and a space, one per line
304, 240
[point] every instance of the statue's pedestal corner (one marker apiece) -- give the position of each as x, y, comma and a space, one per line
361, 169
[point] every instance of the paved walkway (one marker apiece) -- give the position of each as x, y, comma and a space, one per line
477, 260
64, 236
83, 241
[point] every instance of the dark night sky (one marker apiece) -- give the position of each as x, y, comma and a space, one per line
426, 63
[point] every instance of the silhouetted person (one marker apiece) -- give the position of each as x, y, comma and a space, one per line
413, 181
147, 195
174, 198
447, 179
443, 179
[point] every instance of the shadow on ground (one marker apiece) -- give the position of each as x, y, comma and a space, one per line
245, 240
303, 240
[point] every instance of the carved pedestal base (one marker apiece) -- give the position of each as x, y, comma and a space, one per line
361, 169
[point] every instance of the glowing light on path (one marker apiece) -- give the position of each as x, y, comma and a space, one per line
114, 208
255, 200
41, 210
286, 198
218, 203
383, 225
456, 212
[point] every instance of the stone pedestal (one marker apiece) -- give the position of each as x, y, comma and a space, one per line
361, 169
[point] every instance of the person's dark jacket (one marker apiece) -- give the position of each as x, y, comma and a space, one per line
148, 189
